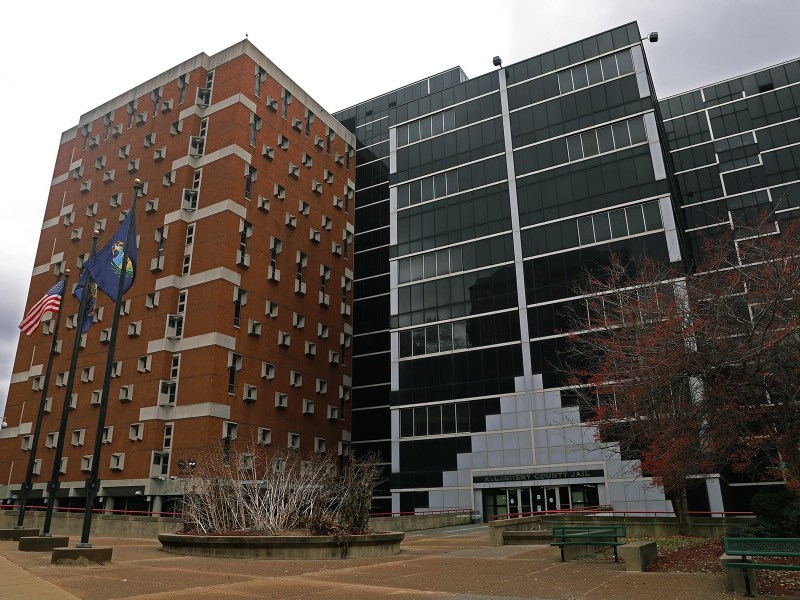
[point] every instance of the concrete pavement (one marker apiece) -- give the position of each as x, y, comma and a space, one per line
454, 564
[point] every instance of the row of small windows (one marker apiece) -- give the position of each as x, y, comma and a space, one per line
427, 188
592, 229
454, 260
596, 71
605, 139
460, 417
426, 127
459, 335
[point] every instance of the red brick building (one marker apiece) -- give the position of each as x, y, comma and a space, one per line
238, 323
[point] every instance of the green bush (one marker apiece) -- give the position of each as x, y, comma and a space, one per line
777, 514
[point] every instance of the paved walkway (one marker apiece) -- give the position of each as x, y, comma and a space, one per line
447, 564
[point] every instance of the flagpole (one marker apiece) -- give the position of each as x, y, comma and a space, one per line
27, 485
93, 483
52, 485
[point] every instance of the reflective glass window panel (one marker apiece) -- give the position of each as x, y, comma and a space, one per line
449, 120
421, 421
585, 230
403, 196
448, 418
416, 268
452, 182
413, 132
404, 270
406, 345
618, 226
624, 62
427, 188
565, 81
579, 78
602, 229
406, 422
652, 216
437, 126
430, 265
425, 128
635, 219
402, 135
434, 420
636, 127
621, 136
459, 335
439, 185
443, 262
595, 72
415, 191
445, 337
605, 139
431, 339
455, 259
589, 139
462, 417
418, 341
574, 147
609, 64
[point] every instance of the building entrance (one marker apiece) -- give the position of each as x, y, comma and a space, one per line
525, 500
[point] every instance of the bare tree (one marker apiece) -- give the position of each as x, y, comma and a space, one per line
696, 370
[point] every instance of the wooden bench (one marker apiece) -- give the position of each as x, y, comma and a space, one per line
574, 537
744, 547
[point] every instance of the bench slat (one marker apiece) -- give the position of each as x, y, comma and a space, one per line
769, 566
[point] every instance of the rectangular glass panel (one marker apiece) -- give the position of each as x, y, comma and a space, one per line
635, 219
416, 268
565, 81
652, 216
589, 139
413, 132
427, 188
434, 420
430, 265
406, 346
624, 62
579, 78
459, 335
402, 135
462, 417
585, 230
609, 67
605, 139
421, 421
437, 125
449, 120
618, 226
445, 337
404, 270
439, 185
431, 339
414, 192
595, 72
406, 422
455, 259
602, 229
443, 262
448, 418
574, 147
424, 128
418, 340
636, 127
621, 137
452, 182
403, 196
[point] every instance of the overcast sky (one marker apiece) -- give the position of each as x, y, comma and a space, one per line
62, 59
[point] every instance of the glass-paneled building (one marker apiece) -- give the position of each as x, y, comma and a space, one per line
479, 204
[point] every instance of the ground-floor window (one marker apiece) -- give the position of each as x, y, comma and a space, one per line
527, 500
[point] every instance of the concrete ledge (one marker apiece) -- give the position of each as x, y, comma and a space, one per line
42, 544
638, 555
280, 547
15, 534
81, 557
734, 576
537, 538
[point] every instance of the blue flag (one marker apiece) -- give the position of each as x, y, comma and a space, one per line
91, 301
106, 266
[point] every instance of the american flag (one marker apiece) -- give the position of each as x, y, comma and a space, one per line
50, 302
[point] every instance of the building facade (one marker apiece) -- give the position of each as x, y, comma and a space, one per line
239, 322
479, 205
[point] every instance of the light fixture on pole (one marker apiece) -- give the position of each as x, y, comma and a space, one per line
651, 37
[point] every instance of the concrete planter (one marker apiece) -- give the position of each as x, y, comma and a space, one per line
281, 547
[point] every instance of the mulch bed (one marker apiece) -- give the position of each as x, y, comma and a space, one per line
701, 555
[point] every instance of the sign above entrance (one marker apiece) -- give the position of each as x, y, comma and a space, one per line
538, 476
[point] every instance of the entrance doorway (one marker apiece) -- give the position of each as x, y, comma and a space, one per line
526, 500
